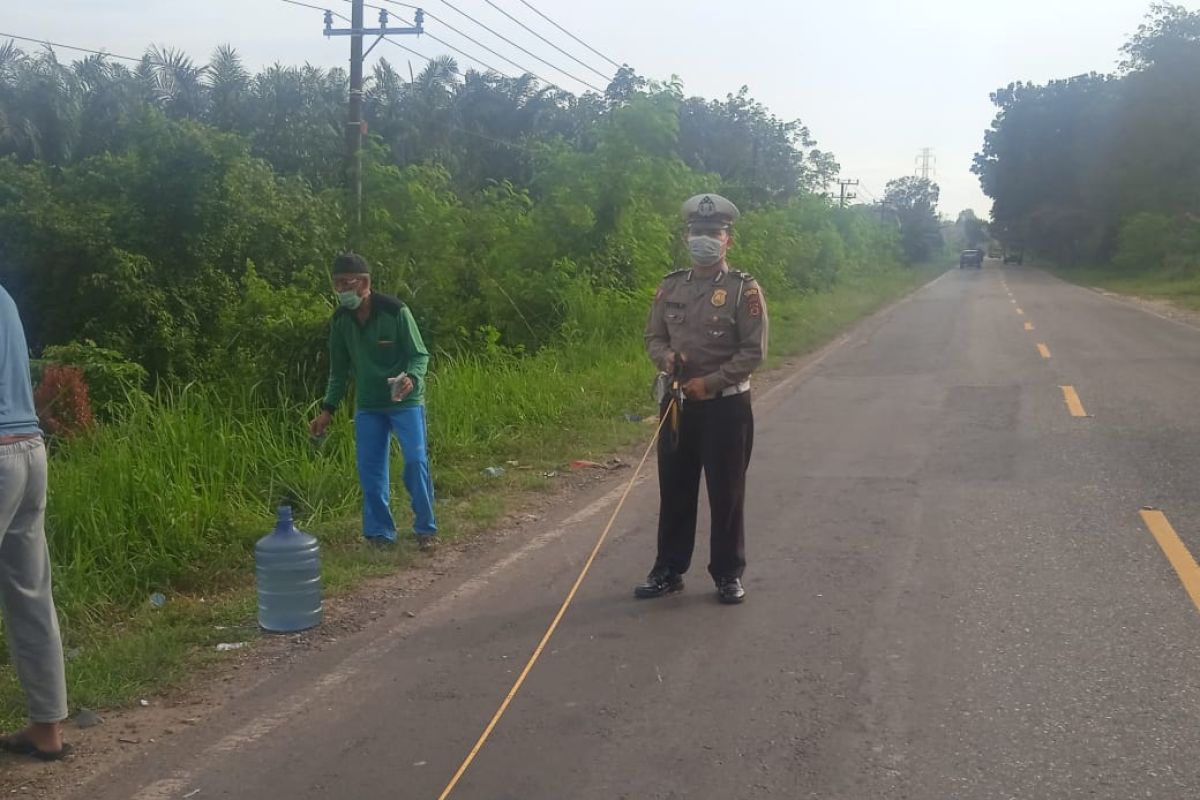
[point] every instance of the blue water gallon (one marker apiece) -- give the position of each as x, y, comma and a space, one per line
287, 565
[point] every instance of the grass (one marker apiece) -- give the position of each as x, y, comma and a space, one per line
172, 497
1182, 289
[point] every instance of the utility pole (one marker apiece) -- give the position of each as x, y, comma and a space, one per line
926, 163
842, 196
355, 126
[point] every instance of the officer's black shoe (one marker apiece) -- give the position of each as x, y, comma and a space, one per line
659, 583
730, 591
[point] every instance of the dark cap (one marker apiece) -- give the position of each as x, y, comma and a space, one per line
351, 264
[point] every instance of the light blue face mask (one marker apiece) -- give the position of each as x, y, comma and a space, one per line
350, 299
706, 251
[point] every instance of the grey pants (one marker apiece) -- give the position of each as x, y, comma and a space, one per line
30, 621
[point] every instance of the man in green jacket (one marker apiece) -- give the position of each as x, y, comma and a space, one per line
375, 338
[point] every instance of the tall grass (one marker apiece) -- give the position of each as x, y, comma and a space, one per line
173, 494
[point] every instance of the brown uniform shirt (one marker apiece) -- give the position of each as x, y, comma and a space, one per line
719, 323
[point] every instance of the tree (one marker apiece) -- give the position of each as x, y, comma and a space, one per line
973, 230
1069, 163
914, 201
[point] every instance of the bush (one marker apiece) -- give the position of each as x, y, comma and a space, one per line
62, 403
111, 378
1156, 242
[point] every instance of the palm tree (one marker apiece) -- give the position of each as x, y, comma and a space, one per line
228, 85
176, 82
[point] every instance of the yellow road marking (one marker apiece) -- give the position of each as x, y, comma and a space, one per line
1073, 402
1045, 351
1014, 302
1028, 326
1019, 311
1176, 552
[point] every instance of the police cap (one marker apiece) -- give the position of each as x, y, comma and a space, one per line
711, 209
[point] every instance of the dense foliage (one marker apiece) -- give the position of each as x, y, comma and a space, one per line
1105, 168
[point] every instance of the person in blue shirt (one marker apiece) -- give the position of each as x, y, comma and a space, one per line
30, 620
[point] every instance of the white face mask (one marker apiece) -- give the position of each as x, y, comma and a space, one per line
706, 251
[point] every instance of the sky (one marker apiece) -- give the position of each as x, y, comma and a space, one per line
875, 82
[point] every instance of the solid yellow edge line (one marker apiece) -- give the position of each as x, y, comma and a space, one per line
1176, 552
1073, 403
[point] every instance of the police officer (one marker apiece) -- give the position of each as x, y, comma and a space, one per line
711, 323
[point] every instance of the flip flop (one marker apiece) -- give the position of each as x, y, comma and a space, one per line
24, 747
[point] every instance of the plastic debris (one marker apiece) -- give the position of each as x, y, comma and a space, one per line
158, 600
584, 464
225, 647
493, 472
633, 417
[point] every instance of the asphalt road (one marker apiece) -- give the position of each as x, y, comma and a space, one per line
952, 593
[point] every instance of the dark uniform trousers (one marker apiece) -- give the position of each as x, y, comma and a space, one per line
717, 436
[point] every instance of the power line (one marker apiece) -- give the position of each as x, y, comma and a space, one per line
547, 41
434, 38
48, 43
409, 49
573, 36
462, 53
499, 35
316, 8
475, 41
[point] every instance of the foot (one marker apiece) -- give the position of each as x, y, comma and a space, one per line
427, 544
43, 741
658, 583
380, 541
730, 591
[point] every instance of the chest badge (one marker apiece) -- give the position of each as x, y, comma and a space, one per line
719, 297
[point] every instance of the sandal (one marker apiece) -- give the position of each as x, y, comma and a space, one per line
18, 745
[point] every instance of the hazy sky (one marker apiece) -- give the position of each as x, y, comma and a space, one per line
875, 81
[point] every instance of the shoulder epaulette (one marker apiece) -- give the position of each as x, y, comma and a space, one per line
676, 272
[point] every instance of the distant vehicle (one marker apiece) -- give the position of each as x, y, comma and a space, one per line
970, 258
1014, 257
993, 251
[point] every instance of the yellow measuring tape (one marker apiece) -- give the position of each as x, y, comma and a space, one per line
537, 653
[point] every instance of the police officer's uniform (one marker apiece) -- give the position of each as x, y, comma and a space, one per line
719, 323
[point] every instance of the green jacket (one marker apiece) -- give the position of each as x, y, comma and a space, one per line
387, 344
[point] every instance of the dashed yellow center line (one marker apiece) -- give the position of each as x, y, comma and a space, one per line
1045, 351
1176, 552
1021, 312
1028, 326
1073, 403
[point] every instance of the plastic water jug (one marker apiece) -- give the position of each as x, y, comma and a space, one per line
288, 570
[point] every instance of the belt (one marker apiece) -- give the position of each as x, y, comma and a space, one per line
730, 391
20, 437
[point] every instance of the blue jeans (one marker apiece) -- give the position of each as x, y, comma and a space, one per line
372, 440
